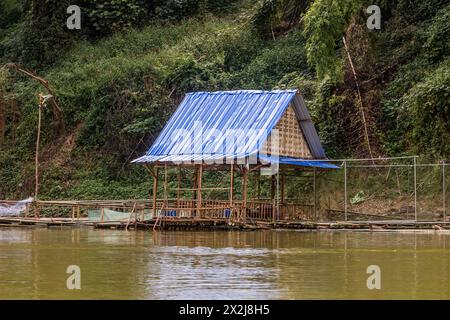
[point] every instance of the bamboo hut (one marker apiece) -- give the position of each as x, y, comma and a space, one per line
218, 149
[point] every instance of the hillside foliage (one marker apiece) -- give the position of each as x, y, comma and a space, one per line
120, 77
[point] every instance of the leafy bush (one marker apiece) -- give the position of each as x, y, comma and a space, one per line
10, 12
428, 103
108, 16
325, 24
118, 91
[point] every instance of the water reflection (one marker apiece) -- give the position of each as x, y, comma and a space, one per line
222, 265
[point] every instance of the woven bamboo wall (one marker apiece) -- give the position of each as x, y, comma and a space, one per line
292, 142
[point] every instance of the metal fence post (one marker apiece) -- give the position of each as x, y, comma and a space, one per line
345, 190
443, 191
415, 188
315, 194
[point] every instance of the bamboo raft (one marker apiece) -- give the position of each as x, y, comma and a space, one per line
221, 224
258, 218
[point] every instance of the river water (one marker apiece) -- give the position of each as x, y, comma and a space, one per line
222, 265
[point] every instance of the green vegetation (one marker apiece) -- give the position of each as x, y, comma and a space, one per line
120, 77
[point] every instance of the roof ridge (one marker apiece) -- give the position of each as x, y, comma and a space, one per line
275, 91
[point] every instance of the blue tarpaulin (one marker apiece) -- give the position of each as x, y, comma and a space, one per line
297, 162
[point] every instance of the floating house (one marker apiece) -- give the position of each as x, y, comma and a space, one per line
228, 155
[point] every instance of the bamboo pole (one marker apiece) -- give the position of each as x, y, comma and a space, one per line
363, 116
278, 195
166, 181
258, 184
195, 181
272, 196
272, 187
315, 193
155, 190
179, 186
231, 186
38, 140
282, 207
129, 217
244, 192
199, 190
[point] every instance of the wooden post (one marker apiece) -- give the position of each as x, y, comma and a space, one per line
244, 192
166, 181
258, 184
315, 193
273, 210
199, 190
37, 209
272, 196
102, 213
135, 218
231, 187
283, 196
278, 195
272, 187
195, 181
179, 186
155, 190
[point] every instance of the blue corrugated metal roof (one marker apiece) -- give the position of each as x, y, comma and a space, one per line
247, 116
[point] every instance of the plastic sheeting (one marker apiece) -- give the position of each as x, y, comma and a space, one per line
111, 215
14, 209
298, 162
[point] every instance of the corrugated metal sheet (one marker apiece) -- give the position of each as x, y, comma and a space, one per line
205, 122
307, 127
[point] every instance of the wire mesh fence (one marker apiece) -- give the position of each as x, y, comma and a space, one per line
384, 189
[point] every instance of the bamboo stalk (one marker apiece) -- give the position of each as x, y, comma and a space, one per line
363, 116
129, 218
38, 140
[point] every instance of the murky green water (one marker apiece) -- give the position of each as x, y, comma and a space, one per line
222, 265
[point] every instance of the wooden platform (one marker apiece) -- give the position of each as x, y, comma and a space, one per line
224, 224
